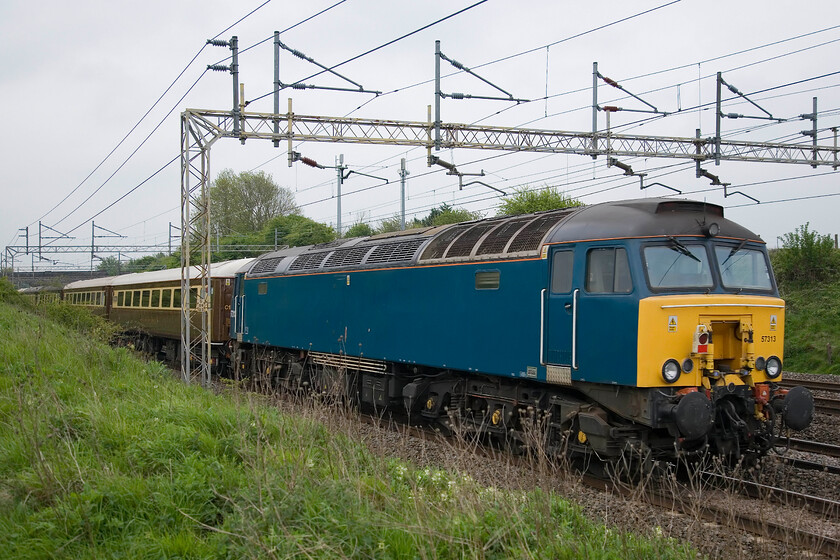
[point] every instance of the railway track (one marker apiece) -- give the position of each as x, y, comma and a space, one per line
708, 510
830, 386
826, 449
726, 515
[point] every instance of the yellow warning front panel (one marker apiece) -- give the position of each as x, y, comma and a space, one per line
667, 325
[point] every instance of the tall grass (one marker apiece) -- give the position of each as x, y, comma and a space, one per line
103, 456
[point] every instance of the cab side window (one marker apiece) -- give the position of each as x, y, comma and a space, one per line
607, 271
561, 272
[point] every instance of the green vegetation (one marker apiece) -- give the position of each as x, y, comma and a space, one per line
103, 456
527, 200
807, 269
439, 216
245, 202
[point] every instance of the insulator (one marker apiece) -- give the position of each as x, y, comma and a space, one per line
807, 133
611, 108
457, 96
458, 65
218, 42
218, 67
613, 83
734, 90
297, 53
733, 116
310, 162
298, 86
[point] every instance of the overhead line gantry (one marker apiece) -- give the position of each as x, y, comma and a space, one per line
201, 128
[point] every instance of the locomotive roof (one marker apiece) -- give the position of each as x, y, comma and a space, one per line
226, 269
503, 237
647, 217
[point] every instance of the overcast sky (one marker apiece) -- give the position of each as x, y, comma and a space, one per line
78, 76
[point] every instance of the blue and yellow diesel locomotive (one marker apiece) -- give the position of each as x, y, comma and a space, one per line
650, 324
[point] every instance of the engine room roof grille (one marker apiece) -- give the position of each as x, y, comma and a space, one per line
463, 246
495, 243
307, 261
347, 257
530, 237
267, 265
394, 252
437, 248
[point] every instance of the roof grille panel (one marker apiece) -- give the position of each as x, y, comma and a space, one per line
437, 248
394, 252
495, 243
463, 246
530, 237
267, 265
309, 260
347, 257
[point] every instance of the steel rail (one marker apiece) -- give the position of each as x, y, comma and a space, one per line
822, 506
727, 517
808, 465
813, 385
807, 446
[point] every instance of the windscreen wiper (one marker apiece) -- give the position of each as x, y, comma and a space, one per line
734, 251
680, 248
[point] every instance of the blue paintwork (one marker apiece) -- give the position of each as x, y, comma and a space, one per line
434, 316
420, 315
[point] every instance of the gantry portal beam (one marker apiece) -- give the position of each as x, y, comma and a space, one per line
307, 128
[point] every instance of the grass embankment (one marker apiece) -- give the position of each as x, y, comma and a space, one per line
104, 456
812, 325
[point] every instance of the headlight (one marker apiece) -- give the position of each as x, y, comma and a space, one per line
773, 367
671, 371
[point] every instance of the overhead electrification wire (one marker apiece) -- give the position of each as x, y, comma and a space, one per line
177, 103
382, 46
270, 37
146, 114
126, 160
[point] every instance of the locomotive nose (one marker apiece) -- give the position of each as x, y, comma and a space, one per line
797, 408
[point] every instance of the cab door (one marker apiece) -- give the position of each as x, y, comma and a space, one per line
560, 302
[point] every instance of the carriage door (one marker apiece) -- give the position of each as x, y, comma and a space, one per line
237, 307
560, 317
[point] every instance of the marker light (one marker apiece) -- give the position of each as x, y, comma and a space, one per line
687, 365
774, 367
671, 371
760, 363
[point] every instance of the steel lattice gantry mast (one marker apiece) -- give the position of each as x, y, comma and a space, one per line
200, 128
195, 245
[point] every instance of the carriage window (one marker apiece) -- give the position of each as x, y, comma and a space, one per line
135, 300
678, 266
193, 297
155, 298
144, 301
561, 272
176, 298
607, 271
166, 298
487, 280
120, 296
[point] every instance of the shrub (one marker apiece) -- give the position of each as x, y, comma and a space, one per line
806, 257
